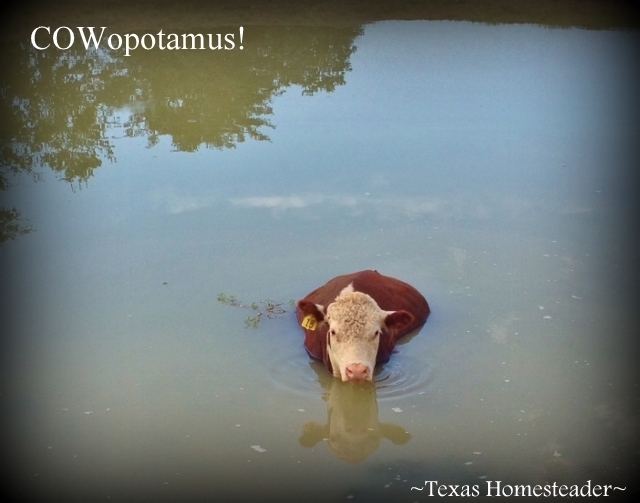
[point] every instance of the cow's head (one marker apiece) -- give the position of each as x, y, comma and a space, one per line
355, 324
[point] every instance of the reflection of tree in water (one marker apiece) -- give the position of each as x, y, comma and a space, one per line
55, 112
221, 98
11, 225
57, 106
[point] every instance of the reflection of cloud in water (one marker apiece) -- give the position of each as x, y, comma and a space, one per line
457, 206
169, 201
276, 202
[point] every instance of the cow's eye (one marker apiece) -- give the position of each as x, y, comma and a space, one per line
377, 333
332, 332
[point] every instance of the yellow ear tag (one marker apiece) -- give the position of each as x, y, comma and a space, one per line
309, 322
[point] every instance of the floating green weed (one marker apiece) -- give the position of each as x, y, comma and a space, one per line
252, 321
266, 308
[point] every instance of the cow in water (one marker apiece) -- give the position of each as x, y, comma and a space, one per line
355, 320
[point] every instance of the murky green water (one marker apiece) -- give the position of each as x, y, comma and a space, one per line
489, 166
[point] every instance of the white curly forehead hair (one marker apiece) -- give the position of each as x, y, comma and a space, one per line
354, 311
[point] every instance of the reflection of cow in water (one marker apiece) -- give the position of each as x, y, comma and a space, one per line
355, 320
353, 431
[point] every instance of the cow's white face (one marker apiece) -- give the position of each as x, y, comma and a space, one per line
355, 325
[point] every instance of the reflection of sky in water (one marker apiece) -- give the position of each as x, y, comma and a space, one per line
453, 121
429, 110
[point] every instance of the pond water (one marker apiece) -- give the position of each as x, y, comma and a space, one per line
490, 166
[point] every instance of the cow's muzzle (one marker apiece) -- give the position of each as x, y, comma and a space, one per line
358, 372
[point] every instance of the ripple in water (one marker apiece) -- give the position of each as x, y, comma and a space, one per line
402, 376
297, 374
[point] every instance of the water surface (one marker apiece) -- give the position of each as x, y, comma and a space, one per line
488, 166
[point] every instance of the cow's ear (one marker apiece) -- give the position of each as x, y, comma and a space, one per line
312, 433
396, 434
308, 308
397, 321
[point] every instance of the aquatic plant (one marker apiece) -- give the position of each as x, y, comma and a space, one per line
267, 308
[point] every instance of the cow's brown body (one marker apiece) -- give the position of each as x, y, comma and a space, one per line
390, 294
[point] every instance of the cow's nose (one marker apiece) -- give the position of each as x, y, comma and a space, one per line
357, 372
